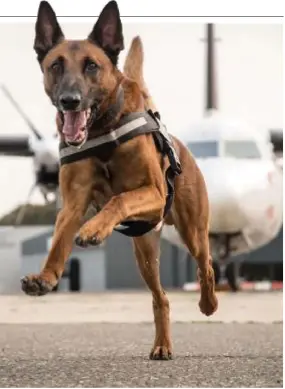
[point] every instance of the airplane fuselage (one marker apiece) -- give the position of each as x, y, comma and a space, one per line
244, 185
245, 200
246, 203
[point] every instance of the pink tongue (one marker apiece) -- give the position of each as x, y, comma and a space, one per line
74, 122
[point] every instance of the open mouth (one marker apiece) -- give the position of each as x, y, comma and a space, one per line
76, 125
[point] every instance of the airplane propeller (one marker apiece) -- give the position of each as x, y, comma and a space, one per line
21, 146
21, 112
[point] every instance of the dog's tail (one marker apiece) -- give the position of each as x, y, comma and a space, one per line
133, 68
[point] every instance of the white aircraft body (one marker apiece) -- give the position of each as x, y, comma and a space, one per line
242, 168
244, 182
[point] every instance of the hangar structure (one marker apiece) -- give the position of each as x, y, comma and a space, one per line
112, 265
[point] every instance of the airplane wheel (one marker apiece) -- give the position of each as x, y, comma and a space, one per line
217, 272
232, 277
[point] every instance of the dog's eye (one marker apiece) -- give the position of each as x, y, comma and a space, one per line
90, 66
56, 66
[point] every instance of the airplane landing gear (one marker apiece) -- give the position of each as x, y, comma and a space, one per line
231, 275
226, 270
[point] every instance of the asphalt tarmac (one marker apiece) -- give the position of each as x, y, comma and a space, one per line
46, 353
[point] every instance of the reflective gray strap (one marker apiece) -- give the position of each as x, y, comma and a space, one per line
113, 136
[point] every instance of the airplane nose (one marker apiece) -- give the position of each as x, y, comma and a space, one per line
226, 204
70, 101
226, 210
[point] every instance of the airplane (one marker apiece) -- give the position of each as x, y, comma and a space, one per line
43, 150
242, 168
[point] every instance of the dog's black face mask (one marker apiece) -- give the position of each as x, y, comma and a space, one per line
78, 75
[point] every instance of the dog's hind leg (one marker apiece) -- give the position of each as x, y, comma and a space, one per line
198, 244
147, 254
190, 214
194, 233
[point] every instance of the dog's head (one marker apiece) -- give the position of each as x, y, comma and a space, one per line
79, 75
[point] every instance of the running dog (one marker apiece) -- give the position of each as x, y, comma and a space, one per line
116, 154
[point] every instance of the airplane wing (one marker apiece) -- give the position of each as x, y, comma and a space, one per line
15, 146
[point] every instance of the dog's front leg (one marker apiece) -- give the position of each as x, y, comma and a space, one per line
68, 223
76, 190
140, 202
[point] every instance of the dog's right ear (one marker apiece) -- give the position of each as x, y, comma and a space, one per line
108, 31
48, 31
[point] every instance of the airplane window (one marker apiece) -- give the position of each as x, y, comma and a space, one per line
203, 149
241, 149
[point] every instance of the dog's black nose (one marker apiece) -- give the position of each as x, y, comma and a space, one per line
70, 101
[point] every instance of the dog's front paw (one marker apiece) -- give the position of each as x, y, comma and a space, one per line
82, 241
92, 234
36, 285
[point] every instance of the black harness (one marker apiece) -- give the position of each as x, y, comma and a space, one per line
129, 126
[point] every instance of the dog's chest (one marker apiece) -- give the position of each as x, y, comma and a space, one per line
105, 183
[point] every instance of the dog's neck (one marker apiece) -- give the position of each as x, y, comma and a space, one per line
125, 98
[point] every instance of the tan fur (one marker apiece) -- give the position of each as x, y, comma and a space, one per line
129, 184
133, 68
190, 215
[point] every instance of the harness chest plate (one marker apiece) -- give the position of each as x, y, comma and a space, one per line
129, 126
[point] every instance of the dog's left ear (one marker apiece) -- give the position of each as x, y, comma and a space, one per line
48, 31
108, 32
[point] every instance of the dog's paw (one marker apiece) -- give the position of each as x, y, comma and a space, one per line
161, 353
84, 242
93, 233
35, 285
208, 305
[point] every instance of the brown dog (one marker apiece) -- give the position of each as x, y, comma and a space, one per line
127, 181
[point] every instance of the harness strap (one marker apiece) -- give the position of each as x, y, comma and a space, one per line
129, 126
133, 228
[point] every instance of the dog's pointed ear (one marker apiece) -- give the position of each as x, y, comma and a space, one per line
108, 32
48, 31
